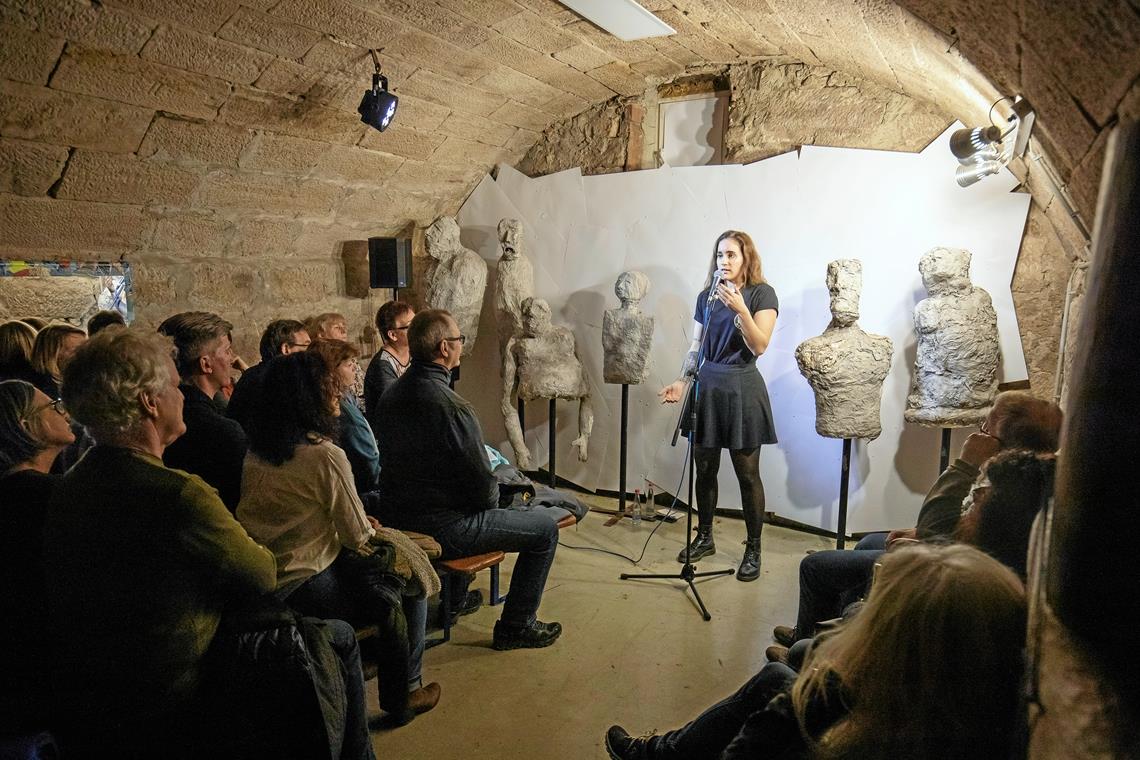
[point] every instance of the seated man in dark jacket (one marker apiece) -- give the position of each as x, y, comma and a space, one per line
281, 338
213, 446
436, 479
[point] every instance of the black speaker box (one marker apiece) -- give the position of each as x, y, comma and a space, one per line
389, 262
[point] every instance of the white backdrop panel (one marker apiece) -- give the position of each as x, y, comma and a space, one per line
803, 209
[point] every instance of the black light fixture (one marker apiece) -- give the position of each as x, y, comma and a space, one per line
378, 107
983, 151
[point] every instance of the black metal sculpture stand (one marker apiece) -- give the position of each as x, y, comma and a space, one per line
844, 482
944, 453
550, 444
624, 431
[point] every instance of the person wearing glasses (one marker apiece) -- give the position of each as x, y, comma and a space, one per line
392, 320
281, 338
829, 579
436, 479
34, 429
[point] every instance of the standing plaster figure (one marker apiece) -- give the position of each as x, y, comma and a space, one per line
515, 282
627, 332
955, 370
458, 278
846, 366
544, 360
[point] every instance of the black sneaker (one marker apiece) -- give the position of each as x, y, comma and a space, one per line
471, 603
621, 746
535, 636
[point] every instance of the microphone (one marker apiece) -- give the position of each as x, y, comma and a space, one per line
718, 275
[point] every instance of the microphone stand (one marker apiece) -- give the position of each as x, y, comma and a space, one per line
689, 412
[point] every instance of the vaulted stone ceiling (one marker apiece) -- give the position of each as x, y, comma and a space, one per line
219, 130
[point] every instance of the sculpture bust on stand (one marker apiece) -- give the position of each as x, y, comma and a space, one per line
627, 332
544, 360
845, 366
955, 370
457, 280
515, 282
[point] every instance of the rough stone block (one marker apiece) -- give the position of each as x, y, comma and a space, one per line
194, 234
340, 18
114, 178
37, 113
595, 140
476, 128
223, 288
521, 142
668, 48
1038, 287
620, 78
139, 82
268, 33
482, 11
258, 110
331, 54
118, 32
403, 141
327, 241
659, 69
433, 19
203, 15
584, 56
421, 114
518, 86
156, 290
534, 32
353, 164
565, 105
279, 153
183, 49
354, 254
1064, 131
270, 238
455, 95
59, 225
438, 56
1084, 183
394, 207
572, 80
303, 283
28, 56
457, 150
192, 143
48, 297
621, 50
519, 57
287, 78
521, 116
285, 195
28, 168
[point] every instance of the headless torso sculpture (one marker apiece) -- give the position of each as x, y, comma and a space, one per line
846, 366
458, 278
955, 369
627, 333
543, 360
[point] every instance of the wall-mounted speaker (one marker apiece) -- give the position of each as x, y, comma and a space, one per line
389, 262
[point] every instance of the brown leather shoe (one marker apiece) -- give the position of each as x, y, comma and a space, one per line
424, 698
777, 653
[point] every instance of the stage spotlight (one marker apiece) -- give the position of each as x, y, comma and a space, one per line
378, 107
983, 151
965, 144
968, 174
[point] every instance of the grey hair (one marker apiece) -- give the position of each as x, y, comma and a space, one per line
103, 381
16, 442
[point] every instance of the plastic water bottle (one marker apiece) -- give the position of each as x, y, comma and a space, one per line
635, 511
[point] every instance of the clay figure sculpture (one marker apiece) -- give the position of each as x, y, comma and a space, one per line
544, 360
627, 332
458, 278
955, 370
846, 366
515, 282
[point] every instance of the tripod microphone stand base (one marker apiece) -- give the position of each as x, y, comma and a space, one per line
687, 574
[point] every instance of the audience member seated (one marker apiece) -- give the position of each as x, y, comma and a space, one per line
16, 341
281, 338
355, 436
436, 479
101, 320
830, 579
54, 347
333, 326
35, 323
299, 500
139, 560
213, 447
392, 321
33, 430
929, 669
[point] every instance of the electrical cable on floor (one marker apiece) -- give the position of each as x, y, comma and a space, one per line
660, 521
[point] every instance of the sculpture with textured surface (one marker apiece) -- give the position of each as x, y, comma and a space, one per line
514, 284
846, 366
457, 280
627, 332
955, 369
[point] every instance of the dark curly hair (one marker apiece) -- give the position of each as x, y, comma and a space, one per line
294, 407
333, 353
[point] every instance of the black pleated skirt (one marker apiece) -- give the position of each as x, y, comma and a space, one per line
733, 410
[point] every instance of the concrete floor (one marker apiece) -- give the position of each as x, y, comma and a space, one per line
632, 652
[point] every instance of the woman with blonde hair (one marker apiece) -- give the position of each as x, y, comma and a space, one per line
929, 668
54, 347
16, 341
332, 325
734, 318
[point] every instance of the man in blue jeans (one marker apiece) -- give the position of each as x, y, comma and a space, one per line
437, 479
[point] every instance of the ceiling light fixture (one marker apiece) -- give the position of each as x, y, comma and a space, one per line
378, 107
983, 151
624, 19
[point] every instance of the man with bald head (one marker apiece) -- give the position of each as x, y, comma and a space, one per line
437, 479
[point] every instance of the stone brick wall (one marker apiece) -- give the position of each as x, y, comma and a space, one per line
63, 298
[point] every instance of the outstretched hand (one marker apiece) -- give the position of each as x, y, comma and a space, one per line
672, 393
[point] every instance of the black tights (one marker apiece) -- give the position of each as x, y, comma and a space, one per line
746, 463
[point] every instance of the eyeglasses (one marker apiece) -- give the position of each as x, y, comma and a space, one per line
405, 327
461, 338
56, 406
301, 345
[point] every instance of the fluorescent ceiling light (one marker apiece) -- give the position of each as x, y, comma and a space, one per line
624, 19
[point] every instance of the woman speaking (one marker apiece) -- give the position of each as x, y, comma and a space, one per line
734, 318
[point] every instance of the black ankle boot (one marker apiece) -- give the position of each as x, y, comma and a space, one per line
701, 546
749, 569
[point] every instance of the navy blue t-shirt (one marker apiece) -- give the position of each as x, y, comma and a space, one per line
725, 343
